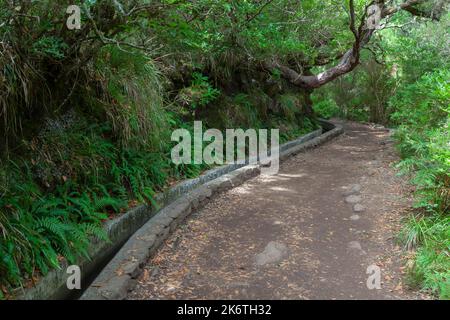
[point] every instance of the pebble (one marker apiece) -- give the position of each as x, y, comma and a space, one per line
353, 199
273, 253
354, 189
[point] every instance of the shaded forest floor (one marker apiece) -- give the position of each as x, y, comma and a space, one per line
309, 232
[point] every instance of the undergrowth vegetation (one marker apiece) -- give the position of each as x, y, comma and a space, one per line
422, 110
86, 115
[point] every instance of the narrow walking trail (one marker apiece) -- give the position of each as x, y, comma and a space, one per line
309, 232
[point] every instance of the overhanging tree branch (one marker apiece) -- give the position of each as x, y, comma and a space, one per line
351, 58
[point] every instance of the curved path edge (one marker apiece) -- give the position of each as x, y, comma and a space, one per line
119, 275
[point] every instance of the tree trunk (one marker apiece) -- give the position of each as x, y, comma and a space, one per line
308, 107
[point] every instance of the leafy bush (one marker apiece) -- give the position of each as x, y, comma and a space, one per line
422, 110
199, 94
50, 47
327, 109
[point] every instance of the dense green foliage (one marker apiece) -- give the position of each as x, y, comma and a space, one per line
86, 115
422, 110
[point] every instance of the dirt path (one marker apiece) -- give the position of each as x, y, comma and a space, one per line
293, 235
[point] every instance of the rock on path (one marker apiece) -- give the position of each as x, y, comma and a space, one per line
273, 253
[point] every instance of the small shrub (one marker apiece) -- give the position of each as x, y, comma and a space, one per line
327, 109
199, 94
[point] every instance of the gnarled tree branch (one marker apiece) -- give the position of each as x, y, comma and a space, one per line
351, 58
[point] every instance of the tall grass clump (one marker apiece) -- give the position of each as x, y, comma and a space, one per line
132, 97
